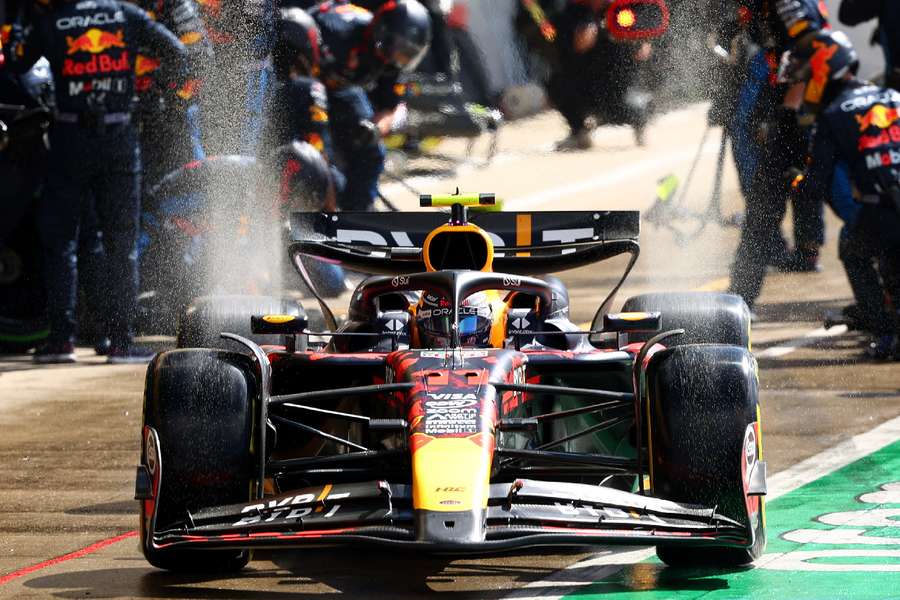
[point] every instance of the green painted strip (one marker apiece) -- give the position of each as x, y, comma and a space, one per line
25, 337
835, 538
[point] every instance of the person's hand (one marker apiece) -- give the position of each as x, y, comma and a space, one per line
384, 121
585, 37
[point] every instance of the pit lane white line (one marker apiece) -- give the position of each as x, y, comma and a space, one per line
808, 339
639, 168
609, 561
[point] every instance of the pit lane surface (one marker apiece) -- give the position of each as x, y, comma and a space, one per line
69, 436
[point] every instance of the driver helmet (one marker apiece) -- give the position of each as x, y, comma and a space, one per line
297, 44
399, 34
434, 321
819, 61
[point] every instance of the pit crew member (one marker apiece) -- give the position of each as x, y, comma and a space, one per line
363, 55
91, 46
779, 148
858, 124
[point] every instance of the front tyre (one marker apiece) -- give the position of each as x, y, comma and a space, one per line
705, 443
198, 421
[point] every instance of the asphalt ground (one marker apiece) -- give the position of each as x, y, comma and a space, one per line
69, 435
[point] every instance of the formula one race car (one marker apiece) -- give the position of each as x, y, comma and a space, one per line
457, 409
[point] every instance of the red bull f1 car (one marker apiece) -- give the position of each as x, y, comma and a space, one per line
430, 421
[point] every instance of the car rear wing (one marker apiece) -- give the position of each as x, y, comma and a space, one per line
525, 243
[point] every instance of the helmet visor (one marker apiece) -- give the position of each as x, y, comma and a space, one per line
474, 331
400, 53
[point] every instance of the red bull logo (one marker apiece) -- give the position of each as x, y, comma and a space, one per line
879, 116
99, 63
891, 135
95, 41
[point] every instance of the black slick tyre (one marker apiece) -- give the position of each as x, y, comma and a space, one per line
209, 316
706, 317
705, 443
199, 410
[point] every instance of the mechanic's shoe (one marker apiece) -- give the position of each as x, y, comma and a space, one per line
50, 354
101, 348
804, 259
577, 140
884, 347
800, 262
129, 355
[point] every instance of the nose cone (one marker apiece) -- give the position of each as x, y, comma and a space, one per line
451, 487
453, 412
450, 528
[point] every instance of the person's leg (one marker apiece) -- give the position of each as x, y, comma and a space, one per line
612, 85
856, 256
760, 236
861, 248
563, 94
362, 154
92, 276
889, 268
786, 150
58, 217
117, 196
889, 263
809, 226
567, 95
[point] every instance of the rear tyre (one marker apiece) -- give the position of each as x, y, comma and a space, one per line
201, 404
705, 442
706, 317
208, 317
